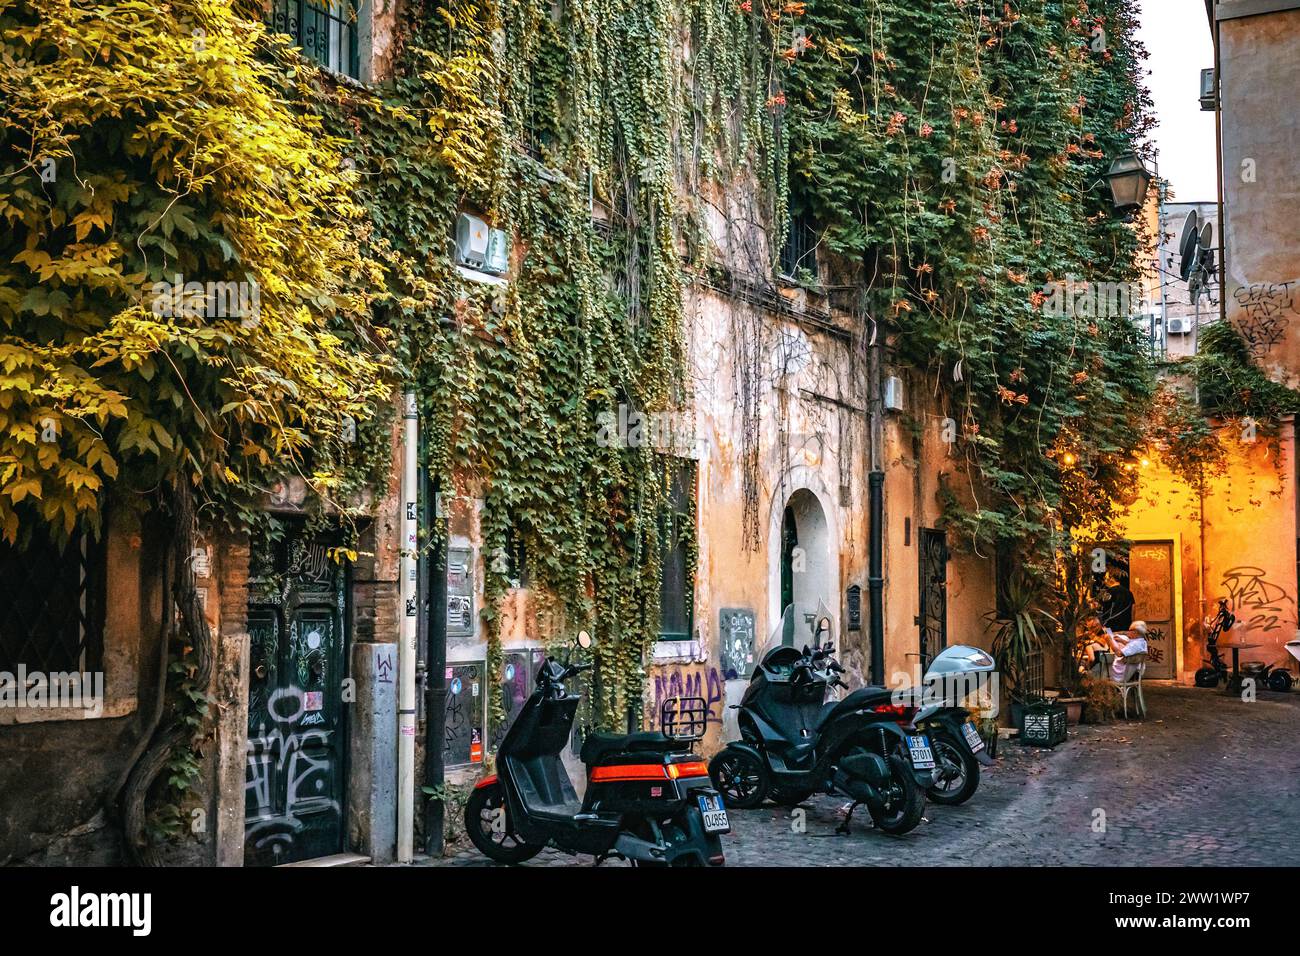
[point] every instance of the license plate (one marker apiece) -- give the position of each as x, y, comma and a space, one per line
922, 757
972, 736
715, 814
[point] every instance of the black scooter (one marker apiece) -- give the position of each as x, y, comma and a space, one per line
648, 797
793, 745
1273, 676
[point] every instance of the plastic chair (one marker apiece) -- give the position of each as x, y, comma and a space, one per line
1136, 668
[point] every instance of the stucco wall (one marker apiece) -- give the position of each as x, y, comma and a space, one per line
916, 456
1259, 76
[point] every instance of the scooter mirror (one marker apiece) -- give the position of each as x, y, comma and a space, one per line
823, 626
584, 640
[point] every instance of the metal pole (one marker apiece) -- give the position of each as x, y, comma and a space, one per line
1162, 195
875, 576
875, 498
435, 684
406, 648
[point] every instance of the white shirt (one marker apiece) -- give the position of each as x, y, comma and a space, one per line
1119, 667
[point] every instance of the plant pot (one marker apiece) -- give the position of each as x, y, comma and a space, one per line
1073, 708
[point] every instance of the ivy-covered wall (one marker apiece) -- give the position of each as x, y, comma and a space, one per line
646, 159
947, 159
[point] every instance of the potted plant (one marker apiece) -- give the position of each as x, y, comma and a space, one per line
1075, 614
1017, 636
1100, 700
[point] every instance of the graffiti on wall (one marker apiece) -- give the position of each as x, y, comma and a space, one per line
300, 762
463, 728
1260, 604
1264, 313
688, 680
1156, 642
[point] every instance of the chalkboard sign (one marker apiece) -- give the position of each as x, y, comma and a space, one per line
854, 598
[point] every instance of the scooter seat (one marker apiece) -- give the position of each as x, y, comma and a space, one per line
598, 746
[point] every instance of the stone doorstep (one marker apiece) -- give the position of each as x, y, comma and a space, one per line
335, 859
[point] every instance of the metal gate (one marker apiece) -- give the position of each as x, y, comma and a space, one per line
933, 619
295, 781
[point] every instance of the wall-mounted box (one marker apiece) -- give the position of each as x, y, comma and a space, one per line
894, 393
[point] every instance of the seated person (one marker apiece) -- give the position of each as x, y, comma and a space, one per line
1124, 645
1098, 641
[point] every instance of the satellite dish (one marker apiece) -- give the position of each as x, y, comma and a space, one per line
1207, 236
1187, 246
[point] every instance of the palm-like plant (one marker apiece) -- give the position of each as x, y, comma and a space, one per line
1016, 631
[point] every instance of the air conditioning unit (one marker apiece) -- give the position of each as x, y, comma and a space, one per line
1208, 98
472, 240
497, 259
894, 393
1179, 325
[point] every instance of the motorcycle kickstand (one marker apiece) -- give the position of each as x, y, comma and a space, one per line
843, 828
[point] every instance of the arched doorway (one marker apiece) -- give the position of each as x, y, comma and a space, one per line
808, 566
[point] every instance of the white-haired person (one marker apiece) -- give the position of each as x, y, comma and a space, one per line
1123, 644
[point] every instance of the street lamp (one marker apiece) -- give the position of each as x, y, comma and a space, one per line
1128, 179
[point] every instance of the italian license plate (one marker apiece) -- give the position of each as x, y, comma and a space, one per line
972, 736
922, 756
715, 814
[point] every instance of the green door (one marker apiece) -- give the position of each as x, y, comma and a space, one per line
295, 783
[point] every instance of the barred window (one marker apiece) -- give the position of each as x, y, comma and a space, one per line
799, 253
676, 585
52, 605
325, 29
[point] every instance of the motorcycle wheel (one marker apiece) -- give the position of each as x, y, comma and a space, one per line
489, 830
960, 769
906, 802
1279, 681
741, 778
1207, 677
788, 796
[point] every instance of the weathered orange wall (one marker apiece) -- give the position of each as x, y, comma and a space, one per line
1244, 549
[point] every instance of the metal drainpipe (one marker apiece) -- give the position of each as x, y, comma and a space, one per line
876, 513
406, 647
435, 686
875, 576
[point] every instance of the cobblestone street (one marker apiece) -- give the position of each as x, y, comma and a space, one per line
1206, 779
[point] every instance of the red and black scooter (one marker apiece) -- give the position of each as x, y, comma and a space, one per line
648, 797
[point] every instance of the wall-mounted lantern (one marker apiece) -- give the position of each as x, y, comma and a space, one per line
1128, 179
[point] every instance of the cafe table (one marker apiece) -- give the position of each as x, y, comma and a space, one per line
1234, 679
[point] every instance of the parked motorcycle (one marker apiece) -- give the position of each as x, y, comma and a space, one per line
1275, 677
648, 797
794, 742
959, 750
1215, 669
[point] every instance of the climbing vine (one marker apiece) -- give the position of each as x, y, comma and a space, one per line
952, 153
948, 153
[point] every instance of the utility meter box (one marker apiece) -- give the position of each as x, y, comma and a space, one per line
1209, 96
472, 240
497, 259
894, 393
